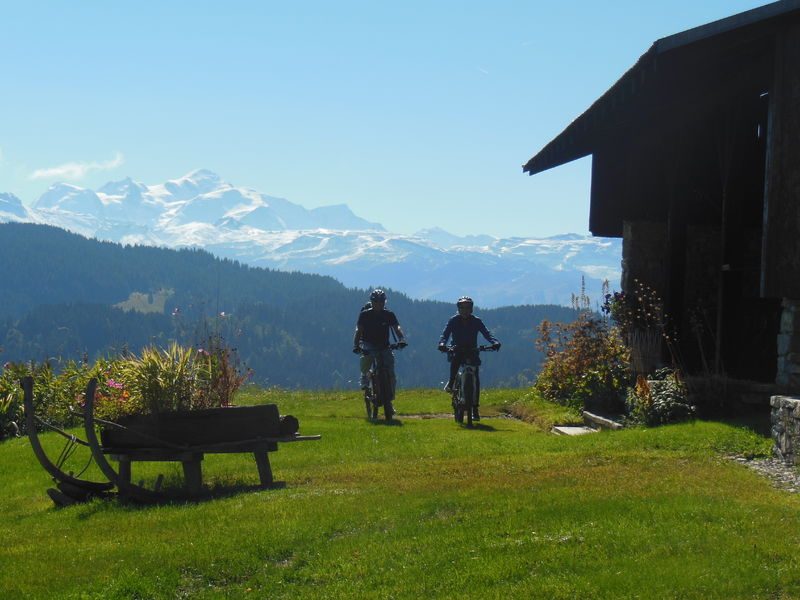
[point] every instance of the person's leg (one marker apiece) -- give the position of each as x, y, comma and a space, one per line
364, 364
453, 372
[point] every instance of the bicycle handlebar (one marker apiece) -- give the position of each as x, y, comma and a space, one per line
451, 349
397, 346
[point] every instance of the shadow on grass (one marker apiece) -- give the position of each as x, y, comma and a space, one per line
757, 419
171, 497
390, 423
759, 423
479, 427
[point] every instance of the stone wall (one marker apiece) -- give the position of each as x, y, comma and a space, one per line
786, 427
788, 372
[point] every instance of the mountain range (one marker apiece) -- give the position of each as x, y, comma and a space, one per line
201, 210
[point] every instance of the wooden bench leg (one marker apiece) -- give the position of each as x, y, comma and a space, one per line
264, 468
125, 470
193, 476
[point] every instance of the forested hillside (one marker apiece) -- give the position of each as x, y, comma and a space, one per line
58, 291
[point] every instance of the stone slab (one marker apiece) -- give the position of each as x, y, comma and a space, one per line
569, 430
594, 420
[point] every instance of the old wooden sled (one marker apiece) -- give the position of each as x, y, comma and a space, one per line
70, 488
184, 437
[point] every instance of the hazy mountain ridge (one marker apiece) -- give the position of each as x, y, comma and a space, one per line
201, 210
61, 292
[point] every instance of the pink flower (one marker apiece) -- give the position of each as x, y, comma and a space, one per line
115, 384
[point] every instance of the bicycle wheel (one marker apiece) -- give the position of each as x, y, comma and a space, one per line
368, 402
374, 395
468, 395
458, 405
385, 394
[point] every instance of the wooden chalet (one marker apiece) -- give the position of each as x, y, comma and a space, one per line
696, 165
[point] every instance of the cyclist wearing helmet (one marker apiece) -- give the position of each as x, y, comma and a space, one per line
372, 335
463, 329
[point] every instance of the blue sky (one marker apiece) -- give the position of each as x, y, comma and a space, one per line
415, 114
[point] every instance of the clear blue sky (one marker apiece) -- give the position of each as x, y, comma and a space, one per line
414, 113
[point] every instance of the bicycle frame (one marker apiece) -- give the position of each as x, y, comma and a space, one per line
379, 390
464, 392
465, 385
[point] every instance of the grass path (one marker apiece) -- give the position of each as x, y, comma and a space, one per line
424, 508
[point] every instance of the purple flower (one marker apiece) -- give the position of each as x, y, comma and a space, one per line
115, 384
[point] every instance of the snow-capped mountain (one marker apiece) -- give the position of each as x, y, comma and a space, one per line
12, 209
200, 209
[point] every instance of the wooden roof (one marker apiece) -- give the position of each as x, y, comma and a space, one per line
673, 73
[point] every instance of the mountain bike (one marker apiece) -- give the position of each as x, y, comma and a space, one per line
465, 386
378, 392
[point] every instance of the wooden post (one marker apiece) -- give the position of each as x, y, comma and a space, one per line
193, 474
264, 468
125, 469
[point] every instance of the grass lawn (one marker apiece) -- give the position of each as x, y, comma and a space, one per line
423, 508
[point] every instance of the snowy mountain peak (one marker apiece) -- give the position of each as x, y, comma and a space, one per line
566, 237
200, 181
121, 188
444, 239
11, 208
70, 198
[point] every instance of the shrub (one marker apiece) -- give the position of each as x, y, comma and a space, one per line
586, 364
158, 380
11, 413
660, 400
179, 378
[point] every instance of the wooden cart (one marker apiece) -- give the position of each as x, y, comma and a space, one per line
184, 437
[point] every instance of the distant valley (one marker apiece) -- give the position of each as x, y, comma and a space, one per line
68, 297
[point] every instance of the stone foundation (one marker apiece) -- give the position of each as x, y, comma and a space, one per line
786, 427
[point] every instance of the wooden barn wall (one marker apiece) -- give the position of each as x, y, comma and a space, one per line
780, 272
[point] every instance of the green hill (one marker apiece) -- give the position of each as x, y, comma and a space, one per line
65, 296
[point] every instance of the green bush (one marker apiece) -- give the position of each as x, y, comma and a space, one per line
659, 400
586, 364
158, 380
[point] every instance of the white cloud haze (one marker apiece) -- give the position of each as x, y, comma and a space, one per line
76, 170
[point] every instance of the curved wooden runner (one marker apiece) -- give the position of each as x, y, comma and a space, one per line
125, 487
66, 482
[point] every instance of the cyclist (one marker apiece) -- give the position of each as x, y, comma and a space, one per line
463, 328
372, 336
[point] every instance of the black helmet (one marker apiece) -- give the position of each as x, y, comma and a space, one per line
378, 295
465, 301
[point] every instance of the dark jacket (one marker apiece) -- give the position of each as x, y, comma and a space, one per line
464, 332
375, 326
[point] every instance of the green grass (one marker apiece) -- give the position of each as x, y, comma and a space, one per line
423, 508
